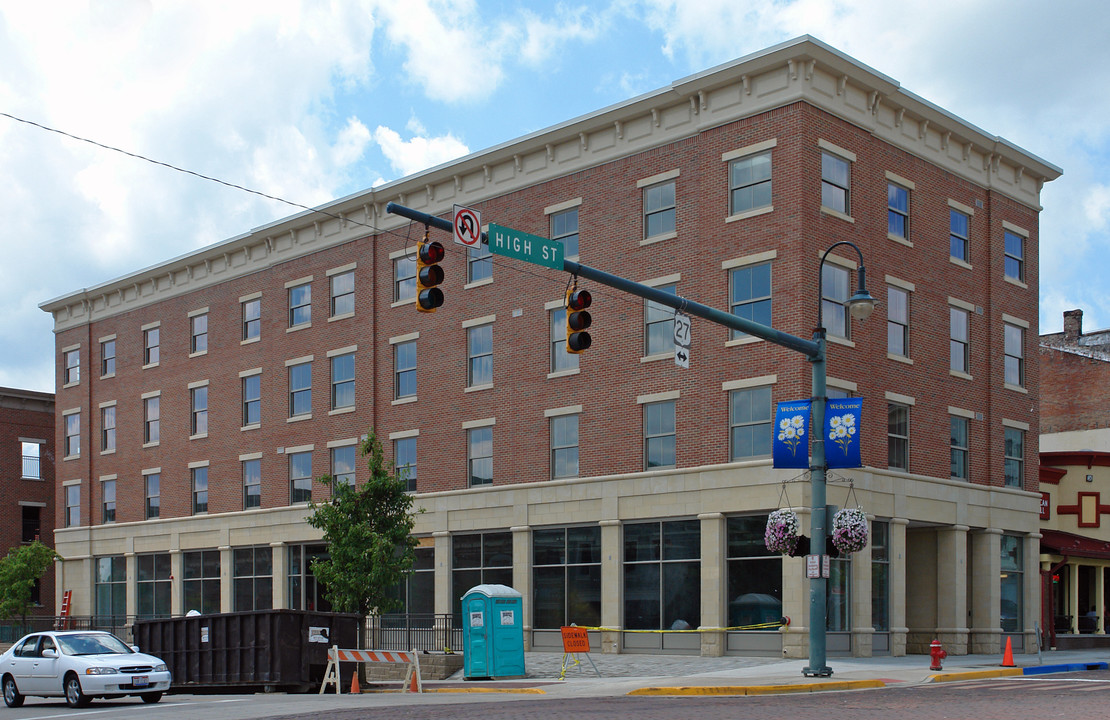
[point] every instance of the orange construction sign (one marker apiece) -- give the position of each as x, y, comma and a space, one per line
575, 640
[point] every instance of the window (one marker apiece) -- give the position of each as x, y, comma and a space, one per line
897, 211
108, 429
897, 322
750, 294
479, 455
252, 400
479, 263
153, 585
198, 332
1015, 457
749, 183
305, 592
300, 389
252, 579
153, 493
838, 598
754, 573
343, 464
32, 523
108, 501
662, 575
750, 423
252, 319
71, 373
404, 369
110, 589
73, 434
32, 460
958, 232
198, 401
564, 446
343, 293
898, 436
300, 477
1015, 256
959, 444
564, 228
479, 353
151, 340
835, 282
1015, 355
404, 278
659, 325
300, 305
107, 358
252, 483
561, 360
836, 181
659, 435
659, 209
73, 505
880, 576
404, 461
343, 381
417, 590
1011, 580
200, 490
480, 559
959, 357
566, 577
202, 581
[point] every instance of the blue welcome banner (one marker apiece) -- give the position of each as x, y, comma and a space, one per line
790, 448
842, 432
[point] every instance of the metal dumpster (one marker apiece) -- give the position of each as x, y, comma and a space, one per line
262, 650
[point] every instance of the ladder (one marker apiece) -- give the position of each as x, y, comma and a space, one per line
62, 623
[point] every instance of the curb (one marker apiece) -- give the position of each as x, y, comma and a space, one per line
1070, 667
974, 675
760, 689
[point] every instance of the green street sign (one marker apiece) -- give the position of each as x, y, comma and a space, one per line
523, 246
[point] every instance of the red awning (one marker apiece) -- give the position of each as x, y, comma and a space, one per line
1062, 543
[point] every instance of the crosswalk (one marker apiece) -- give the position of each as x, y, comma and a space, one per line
1043, 684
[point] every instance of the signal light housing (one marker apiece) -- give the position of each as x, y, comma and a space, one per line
578, 320
428, 275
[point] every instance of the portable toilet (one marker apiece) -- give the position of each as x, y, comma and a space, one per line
493, 633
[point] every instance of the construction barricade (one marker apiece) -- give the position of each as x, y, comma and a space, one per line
336, 655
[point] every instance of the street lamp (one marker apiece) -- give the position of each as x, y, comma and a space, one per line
860, 306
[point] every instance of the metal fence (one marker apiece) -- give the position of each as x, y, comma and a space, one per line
15, 628
413, 631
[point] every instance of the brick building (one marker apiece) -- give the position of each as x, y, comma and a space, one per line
1074, 474
27, 472
613, 489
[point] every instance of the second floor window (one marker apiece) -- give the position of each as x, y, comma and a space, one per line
564, 446
300, 477
108, 501
897, 322
198, 333
252, 400
749, 183
73, 435
153, 494
300, 305
404, 370
252, 483
480, 455
1015, 457
958, 340
898, 436
1014, 341
750, 294
404, 460
343, 464
108, 428
343, 381
73, 505
152, 419
71, 373
199, 402
200, 490
659, 435
750, 423
659, 209
564, 228
560, 358
300, 389
479, 353
959, 445
659, 325
343, 293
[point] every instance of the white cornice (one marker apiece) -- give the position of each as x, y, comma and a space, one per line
800, 70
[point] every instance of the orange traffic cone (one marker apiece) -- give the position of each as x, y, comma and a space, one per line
355, 689
414, 685
1008, 656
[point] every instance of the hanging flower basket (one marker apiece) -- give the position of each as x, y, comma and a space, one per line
782, 531
849, 530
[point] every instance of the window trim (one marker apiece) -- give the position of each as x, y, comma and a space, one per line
334, 275
198, 336
557, 418
247, 323
148, 475
849, 158
152, 351
290, 289
471, 358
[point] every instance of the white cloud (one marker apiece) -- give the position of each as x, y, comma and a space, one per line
544, 39
418, 153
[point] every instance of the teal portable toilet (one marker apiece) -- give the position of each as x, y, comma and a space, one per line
493, 633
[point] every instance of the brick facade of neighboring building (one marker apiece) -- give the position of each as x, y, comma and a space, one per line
799, 106
27, 477
1075, 392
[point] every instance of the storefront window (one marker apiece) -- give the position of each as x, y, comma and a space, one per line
566, 571
479, 559
662, 575
1011, 610
880, 576
754, 576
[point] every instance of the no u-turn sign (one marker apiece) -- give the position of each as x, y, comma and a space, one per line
468, 226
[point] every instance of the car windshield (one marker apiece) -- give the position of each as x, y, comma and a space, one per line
92, 644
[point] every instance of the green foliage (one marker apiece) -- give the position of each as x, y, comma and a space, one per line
18, 572
368, 530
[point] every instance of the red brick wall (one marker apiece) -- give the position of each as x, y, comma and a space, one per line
1075, 394
612, 375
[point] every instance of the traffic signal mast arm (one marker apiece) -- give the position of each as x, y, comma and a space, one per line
809, 348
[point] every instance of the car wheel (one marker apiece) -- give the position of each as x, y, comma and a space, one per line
151, 697
12, 697
75, 696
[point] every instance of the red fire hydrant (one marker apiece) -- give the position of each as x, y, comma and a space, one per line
938, 654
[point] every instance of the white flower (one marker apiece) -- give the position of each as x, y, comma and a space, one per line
784, 423
832, 435
841, 431
848, 420
781, 437
834, 422
851, 431
797, 421
791, 433
801, 431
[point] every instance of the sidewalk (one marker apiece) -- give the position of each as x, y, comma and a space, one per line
692, 675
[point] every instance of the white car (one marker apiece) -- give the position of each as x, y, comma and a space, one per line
80, 666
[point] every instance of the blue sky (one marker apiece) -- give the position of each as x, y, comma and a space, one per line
312, 101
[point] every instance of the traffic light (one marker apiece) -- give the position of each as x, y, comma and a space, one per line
428, 275
578, 319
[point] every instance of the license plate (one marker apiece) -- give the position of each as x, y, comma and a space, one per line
140, 681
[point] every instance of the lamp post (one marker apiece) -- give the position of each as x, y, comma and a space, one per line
860, 306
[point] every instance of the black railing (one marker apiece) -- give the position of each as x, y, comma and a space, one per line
413, 631
32, 467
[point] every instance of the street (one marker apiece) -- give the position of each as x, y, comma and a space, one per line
1076, 696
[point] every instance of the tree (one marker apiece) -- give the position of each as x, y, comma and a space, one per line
368, 530
19, 571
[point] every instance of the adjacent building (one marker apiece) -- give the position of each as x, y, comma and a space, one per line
199, 398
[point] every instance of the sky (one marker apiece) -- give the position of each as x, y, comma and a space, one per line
312, 101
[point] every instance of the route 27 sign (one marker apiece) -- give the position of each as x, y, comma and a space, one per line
682, 340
